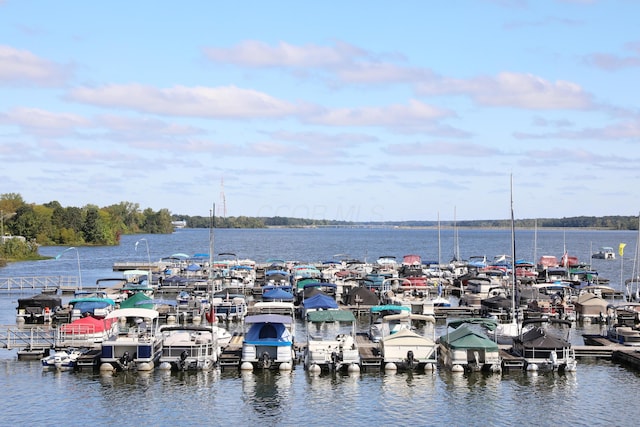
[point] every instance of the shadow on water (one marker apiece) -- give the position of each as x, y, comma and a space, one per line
268, 392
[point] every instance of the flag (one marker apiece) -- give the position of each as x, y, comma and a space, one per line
564, 260
621, 248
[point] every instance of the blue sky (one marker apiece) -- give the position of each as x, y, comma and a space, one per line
345, 110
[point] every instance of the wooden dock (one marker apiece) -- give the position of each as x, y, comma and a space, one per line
370, 355
124, 266
630, 357
232, 354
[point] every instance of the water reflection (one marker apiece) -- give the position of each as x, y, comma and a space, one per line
268, 392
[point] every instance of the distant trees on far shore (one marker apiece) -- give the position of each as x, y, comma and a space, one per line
54, 224
605, 223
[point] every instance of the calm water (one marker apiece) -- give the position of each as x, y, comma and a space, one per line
597, 394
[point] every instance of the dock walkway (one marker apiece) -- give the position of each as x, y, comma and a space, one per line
37, 283
31, 342
231, 355
370, 355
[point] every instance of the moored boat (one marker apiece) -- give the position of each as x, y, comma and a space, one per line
135, 345
188, 347
464, 349
61, 360
328, 354
407, 350
543, 350
268, 343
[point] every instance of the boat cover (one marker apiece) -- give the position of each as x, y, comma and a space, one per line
538, 338
40, 300
268, 329
363, 296
465, 338
135, 299
87, 325
407, 338
320, 301
330, 316
277, 293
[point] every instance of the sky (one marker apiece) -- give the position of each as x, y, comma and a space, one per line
341, 110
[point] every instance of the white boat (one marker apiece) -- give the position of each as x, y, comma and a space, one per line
268, 343
406, 350
61, 360
188, 347
605, 252
323, 354
381, 325
135, 345
398, 291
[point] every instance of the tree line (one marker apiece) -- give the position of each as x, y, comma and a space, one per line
53, 224
605, 223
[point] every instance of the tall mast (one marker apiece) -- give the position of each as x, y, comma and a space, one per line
513, 256
439, 257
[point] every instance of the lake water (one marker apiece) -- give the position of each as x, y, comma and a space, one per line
599, 393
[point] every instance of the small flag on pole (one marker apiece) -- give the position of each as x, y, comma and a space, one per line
621, 248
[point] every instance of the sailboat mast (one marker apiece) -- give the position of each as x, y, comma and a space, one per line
439, 257
513, 256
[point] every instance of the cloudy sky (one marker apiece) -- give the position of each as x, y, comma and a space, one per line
345, 110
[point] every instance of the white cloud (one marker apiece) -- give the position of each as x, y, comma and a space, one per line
412, 114
253, 53
21, 67
465, 150
227, 102
513, 90
44, 123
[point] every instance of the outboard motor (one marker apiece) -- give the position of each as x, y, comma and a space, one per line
125, 359
410, 359
182, 362
265, 360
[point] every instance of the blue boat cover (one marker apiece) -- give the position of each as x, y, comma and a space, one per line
268, 329
319, 301
89, 305
277, 293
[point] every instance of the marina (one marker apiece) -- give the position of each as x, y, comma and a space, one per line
593, 352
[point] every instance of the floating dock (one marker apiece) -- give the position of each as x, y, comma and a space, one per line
232, 354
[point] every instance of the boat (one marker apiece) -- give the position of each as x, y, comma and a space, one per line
37, 309
406, 350
61, 360
605, 252
86, 332
543, 350
464, 349
484, 285
229, 306
323, 354
268, 343
378, 327
591, 308
477, 262
624, 323
400, 291
96, 306
188, 347
135, 345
